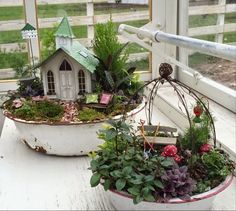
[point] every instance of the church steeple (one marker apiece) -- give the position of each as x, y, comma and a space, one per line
64, 34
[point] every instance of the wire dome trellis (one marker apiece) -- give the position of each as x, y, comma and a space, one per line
181, 90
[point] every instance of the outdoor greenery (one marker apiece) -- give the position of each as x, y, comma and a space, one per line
47, 40
58, 10
46, 11
48, 43
10, 59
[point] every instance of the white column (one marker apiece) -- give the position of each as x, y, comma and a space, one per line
183, 26
164, 18
90, 13
220, 22
30, 9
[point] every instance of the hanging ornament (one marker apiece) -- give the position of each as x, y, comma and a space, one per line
197, 110
205, 148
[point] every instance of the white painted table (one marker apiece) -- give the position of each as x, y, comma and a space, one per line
29, 180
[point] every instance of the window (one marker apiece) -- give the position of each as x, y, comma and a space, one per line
65, 66
51, 85
62, 41
81, 80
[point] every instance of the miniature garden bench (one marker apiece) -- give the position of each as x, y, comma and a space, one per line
157, 134
103, 104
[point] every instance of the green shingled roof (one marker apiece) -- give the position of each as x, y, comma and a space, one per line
64, 29
82, 55
79, 53
28, 27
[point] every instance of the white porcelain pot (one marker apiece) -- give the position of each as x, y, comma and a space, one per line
64, 139
203, 201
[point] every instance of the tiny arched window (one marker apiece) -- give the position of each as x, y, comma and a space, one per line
51, 84
65, 66
81, 80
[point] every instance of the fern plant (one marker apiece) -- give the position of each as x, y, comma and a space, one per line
111, 72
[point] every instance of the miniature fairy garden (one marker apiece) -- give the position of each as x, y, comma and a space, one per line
77, 85
154, 163
74, 93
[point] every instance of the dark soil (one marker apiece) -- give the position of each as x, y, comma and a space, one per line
222, 71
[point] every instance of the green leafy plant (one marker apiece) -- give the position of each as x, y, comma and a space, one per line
33, 87
48, 42
210, 169
217, 165
111, 72
123, 163
19, 64
199, 132
120, 164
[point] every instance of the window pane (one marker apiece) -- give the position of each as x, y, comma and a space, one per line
219, 70
81, 79
51, 85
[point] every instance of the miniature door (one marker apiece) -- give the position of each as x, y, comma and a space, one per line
66, 81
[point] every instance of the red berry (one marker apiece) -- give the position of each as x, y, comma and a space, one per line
197, 110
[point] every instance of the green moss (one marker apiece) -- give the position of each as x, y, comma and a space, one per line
48, 109
39, 111
88, 114
27, 111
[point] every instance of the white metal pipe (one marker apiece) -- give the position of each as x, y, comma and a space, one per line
211, 48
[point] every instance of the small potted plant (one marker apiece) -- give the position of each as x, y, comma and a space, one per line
139, 173
162, 178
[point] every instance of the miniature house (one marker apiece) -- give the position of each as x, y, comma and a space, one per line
67, 73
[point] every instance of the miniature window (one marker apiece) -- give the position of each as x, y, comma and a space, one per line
82, 53
62, 41
51, 84
81, 80
65, 66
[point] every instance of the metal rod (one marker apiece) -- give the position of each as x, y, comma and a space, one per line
211, 48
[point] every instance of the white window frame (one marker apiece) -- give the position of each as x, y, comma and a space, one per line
85, 80
163, 52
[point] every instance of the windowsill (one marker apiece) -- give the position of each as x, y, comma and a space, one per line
225, 123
